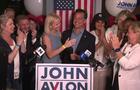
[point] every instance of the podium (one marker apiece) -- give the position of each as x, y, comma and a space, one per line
64, 77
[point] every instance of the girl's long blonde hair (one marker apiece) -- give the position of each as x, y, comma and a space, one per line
126, 13
136, 28
49, 21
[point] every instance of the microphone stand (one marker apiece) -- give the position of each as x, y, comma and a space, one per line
95, 63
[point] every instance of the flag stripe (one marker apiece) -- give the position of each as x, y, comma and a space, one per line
85, 4
64, 20
91, 14
78, 3
60, 14
88, 18
82, 4
67, 20
91, 9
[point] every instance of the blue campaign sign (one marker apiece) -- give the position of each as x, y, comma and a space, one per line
64, 77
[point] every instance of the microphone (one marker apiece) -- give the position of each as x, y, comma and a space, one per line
92, 61
39, 51
36, 54
85, 56
95, 63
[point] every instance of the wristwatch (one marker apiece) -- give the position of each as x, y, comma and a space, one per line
17, 46
117, 49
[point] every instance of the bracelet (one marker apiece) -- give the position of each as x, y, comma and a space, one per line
17, 46
64, 46
117, 49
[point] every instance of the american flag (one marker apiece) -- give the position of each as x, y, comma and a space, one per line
64, 8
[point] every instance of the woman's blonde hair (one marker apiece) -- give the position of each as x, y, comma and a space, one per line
3, 21
126, 13
136, 28
49, 21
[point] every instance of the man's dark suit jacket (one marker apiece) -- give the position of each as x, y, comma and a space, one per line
87, 42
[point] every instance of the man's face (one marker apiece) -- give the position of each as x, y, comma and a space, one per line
24, 25
79, 21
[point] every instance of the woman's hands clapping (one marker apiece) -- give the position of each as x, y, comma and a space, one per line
20, 38
115, 42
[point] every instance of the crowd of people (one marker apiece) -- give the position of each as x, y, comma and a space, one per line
116, 48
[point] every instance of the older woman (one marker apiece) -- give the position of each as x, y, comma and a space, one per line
9, 57
52, 39
128, 60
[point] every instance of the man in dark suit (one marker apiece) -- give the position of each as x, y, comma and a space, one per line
84, 40
31, 43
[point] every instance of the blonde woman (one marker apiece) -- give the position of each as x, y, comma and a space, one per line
52, 39
117, 28
10, 63
127, 65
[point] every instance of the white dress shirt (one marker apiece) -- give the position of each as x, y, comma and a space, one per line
16, 63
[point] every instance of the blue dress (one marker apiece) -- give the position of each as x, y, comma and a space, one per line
56, 43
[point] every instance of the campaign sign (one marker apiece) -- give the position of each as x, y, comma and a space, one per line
64, 77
